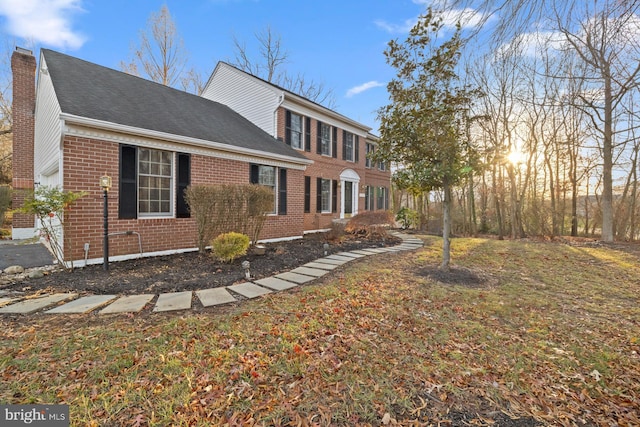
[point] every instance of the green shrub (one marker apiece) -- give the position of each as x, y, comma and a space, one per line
407, 217
370, 223
5, 201
229, 246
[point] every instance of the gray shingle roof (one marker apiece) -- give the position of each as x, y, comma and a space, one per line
89, 90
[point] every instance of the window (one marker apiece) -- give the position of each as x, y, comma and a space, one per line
350, 146
325, 139
369, 198
382, 198
294, 130
276, 180
325, 192
382, 166
152, 183
370, 149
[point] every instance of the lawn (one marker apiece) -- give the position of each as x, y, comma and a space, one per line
528, 332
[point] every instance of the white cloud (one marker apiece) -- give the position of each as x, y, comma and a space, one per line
363, 87
43, 21
468, 18
396, 28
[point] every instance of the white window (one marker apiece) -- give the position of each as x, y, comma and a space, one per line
348, 146
325, 139
267, 177
155, 182
370, 149
296, 131
326, 195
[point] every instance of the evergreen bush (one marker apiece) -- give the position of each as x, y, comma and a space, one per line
229, 246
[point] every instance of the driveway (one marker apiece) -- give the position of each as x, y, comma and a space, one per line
27, 255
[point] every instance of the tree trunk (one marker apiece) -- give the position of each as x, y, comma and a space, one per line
607, 158
446, 227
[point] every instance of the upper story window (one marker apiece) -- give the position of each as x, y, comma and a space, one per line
370, 149
348, 147
296, 131
382, 166
325, 139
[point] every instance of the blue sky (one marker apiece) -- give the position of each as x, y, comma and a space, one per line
338, 43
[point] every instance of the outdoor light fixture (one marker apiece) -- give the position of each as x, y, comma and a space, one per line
105, 184
246, 265
326, 248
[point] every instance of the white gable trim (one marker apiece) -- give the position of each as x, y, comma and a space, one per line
91, 128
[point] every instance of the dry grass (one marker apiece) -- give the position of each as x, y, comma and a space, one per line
540, 330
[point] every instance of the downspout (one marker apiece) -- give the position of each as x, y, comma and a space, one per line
275, 114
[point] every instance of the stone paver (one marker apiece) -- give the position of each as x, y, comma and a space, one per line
307, 271
294, 277
128, 304
375, 250
7, 300
322, 266
327, 260
364, 252
82, 305
249, 290
339, 258
34, 304
215, 296
173, 301
276, 284
350, 254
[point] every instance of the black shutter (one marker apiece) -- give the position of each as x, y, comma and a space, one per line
287, 130
128, 186
366, 198
183, 181
386, 198
334, 143
344, 145
319, 139
319, 195
307, 134
356, 148
282, 192
334, 197
307, 194
254, 174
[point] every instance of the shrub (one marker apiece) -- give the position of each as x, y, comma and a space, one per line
229, 246
407, 217
218, 209
336, 232
5, 201
370, 223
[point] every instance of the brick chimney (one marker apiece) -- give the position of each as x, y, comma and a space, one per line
23, 66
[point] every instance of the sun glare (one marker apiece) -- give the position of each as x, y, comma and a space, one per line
515, 157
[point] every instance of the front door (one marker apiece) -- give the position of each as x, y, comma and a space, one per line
348, 199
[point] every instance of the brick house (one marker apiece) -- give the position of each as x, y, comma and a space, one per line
342, 181
84, 121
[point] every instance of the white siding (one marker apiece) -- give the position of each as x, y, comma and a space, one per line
250, 97
47, 129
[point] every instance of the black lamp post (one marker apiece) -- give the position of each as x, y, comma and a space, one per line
105, 183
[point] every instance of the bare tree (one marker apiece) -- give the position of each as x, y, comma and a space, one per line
160, 55
267, 64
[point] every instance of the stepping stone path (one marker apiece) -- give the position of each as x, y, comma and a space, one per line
208, 297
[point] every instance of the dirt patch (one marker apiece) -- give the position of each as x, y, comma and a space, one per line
458, 276
192, 270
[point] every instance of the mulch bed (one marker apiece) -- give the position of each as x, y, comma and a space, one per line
192, 270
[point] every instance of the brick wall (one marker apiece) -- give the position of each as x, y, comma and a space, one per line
331, 168
23, 66
85, 160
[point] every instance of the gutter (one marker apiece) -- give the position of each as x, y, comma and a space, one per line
114, 127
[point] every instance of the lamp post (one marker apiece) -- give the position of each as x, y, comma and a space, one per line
105, 183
